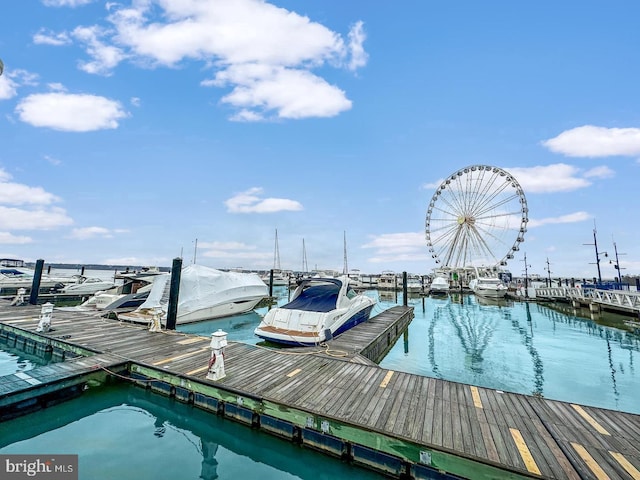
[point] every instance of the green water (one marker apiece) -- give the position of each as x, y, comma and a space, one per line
126, 433
13, 361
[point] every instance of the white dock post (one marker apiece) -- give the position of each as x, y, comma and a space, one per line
19, 298
44, 325
216, 362
155, 320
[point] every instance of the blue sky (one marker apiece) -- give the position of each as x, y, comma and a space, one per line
130, 129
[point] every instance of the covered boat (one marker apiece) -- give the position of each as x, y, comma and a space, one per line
205, 293
320, 309
439, 285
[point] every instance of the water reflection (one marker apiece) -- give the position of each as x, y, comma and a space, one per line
13, 360
473, 329
521, 347
127, 433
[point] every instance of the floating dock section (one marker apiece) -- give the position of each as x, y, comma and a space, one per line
335, 399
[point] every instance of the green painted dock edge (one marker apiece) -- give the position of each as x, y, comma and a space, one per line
19, 338
44, 395
390, 455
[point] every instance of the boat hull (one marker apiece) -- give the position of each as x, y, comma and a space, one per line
218, 311
298, 338
489, 293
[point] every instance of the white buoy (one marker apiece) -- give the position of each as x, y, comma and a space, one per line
44, 325
216, 362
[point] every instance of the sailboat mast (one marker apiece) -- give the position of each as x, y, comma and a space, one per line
346, 266
276, 254
195, 251
305, 266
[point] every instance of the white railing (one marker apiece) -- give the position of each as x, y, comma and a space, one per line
616, 298
561, 292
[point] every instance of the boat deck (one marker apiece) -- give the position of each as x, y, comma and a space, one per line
331, 399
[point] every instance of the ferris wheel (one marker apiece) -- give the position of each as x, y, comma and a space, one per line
477, 217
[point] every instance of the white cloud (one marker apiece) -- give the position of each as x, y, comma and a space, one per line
559, 177
52, 160
226, 246
149, 261
600, 172
35, 213
398, 247
46, 37
250, 202
569, 218
266, 54
290, 93
8, 238
66, 3
86, 233
398, 241
36, 219
591, 141
356, 47
432, 185
56, 87
12, 79
19, 194
232, 251
105, 57
8, 88
70, 112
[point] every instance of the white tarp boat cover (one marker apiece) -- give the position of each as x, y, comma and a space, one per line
202, 287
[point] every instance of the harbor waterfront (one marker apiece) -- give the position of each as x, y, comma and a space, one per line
505, 343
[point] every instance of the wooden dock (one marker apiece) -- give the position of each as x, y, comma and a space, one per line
335, 399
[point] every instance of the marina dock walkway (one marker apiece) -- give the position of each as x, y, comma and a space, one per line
335, 399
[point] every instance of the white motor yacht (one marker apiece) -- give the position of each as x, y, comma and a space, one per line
320, 309
488, 285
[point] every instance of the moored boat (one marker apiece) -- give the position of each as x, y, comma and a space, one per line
320, 309
86, 286
205, 293
14, 275
488, 285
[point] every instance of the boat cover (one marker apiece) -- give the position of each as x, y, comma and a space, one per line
201, 287
316, 298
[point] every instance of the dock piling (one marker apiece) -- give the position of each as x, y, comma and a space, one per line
174, 292
404, 289
271, 283
35, 286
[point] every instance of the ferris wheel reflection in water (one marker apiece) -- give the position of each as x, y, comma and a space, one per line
519, 347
